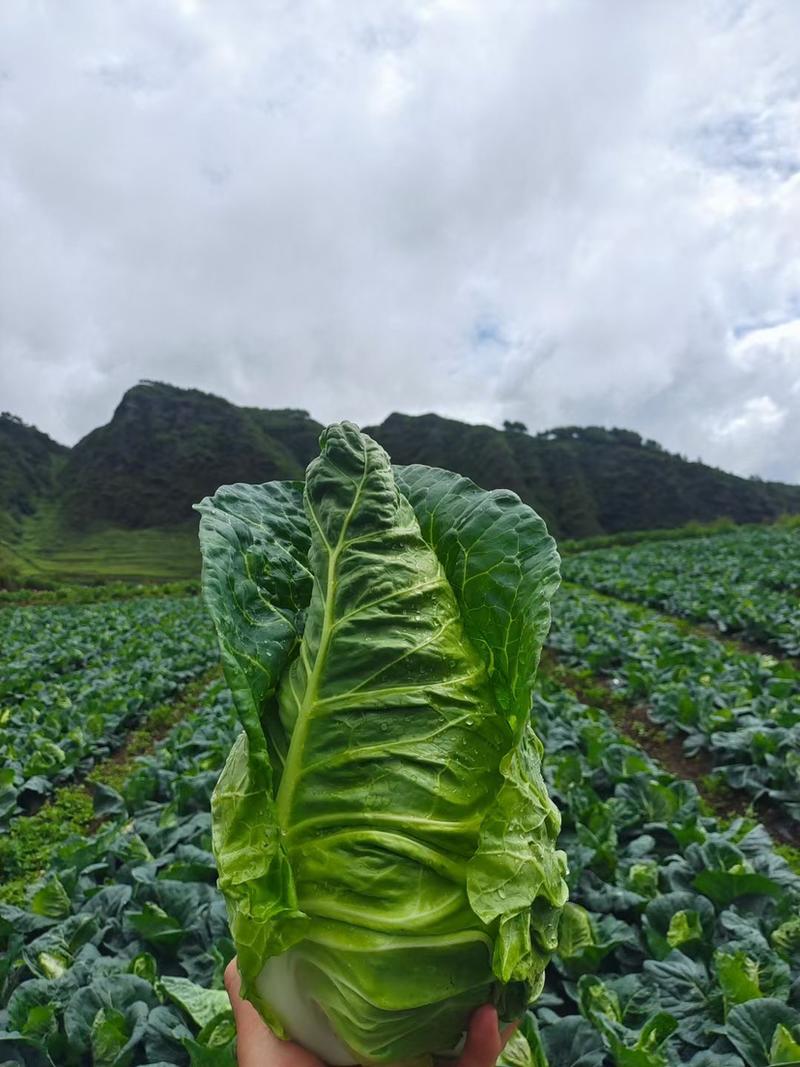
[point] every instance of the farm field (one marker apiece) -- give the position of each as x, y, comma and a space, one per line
745, 582
49, 550
741, 708
72, 677
681, 942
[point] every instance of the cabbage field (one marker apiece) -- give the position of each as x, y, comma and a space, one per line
745, 583
668, 703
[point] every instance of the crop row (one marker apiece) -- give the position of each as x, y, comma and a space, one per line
681, 943
681, 939
746, 582
47, 592
117, 956
73, 679
744, 709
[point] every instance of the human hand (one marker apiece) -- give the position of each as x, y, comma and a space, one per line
257, 1046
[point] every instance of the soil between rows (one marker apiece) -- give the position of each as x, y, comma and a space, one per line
634, 723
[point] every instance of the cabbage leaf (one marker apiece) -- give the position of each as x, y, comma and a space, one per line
384, 839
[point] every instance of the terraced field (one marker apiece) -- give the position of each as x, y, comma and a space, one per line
672, 755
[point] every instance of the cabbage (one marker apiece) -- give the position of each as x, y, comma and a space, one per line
383, 836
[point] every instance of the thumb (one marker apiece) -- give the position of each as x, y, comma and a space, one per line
484, 1043
255, 1042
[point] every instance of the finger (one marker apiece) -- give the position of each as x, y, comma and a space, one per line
232, 980
255, 1042
483, 1044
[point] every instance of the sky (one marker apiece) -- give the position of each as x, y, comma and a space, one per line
553, 211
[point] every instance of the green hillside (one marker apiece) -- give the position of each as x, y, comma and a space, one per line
586, 481
49, 550
166, 448
29, 464
119, 504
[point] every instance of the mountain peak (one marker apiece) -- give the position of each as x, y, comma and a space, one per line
166, 447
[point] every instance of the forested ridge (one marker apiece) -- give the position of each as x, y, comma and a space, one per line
165, 448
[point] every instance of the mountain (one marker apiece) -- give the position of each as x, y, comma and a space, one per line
120, 502
165, 448
29, 464
586, 481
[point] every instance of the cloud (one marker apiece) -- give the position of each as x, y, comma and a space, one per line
490, 211
759, 413
771, 344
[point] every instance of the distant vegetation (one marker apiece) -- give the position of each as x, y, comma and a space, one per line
118, 506
29, 463
587, 481
166, 448
36, 592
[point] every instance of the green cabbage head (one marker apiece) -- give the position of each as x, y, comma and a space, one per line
384, 839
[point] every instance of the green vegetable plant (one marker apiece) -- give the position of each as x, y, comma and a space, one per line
74, 678
742, 581
742, 708
385, 841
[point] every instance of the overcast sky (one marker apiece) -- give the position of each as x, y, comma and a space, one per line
559, 211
